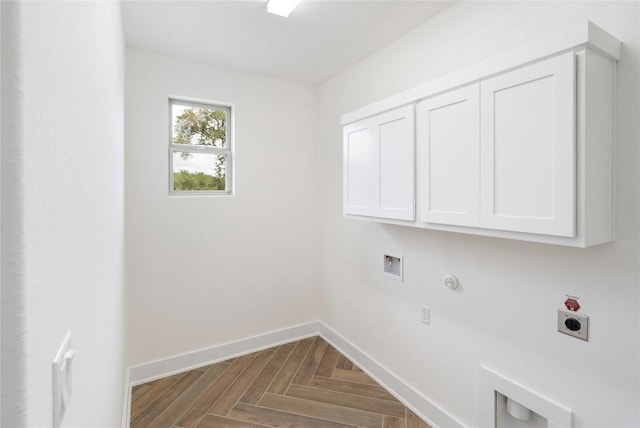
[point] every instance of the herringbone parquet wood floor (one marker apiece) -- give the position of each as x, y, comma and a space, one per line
304, 384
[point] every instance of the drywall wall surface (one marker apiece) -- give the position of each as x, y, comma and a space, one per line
638, 126
0, 208
202, 271
12, 298
503, 315
63, 214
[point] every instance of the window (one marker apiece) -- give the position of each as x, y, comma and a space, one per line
200, 148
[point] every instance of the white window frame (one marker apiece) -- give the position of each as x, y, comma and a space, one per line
227, 151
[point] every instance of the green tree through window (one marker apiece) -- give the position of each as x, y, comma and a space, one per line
200, 147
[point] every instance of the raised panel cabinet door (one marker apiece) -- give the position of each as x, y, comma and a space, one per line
394, 164
528, 149
448, 138
358, 149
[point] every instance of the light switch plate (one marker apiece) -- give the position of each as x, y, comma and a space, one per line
61, 369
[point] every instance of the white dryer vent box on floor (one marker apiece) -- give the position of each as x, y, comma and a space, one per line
393, 266
531, 409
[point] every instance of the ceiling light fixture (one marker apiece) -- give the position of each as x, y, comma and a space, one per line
281, 7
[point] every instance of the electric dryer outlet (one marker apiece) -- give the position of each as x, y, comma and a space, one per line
573, 324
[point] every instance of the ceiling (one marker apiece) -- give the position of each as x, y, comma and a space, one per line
319, 39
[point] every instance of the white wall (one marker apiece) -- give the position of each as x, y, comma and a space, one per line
504, 314
202, 271
62, 208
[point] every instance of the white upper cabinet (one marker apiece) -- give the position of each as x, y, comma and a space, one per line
448, 139
358, 169
528, 148
520, 146
500, 154
379, 166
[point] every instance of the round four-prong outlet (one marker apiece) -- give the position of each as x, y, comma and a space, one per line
572, 324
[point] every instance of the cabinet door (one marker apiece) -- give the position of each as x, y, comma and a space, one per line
448, 136
394, 164
358, 149
528, 149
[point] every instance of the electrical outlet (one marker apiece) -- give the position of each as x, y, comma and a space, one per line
573, 324
424, 315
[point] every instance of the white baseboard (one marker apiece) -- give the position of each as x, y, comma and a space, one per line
418, 403
126, 413
180, 363
411, 398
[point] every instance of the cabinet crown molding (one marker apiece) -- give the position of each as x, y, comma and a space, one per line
586, 34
